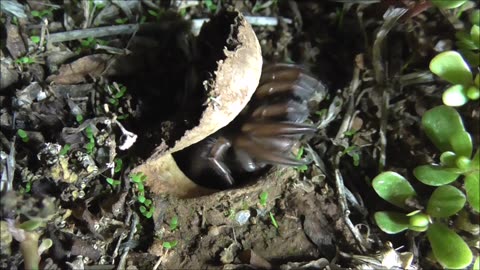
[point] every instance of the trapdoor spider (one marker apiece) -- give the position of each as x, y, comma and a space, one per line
264, 132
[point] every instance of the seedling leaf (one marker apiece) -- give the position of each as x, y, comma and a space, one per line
433, 175
445, 201
472, 187
391, 222
451, 67
448, 247
461, 143
455, 96
448, 4
440, 123
393, 188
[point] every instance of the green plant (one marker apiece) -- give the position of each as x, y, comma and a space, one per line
90, 146
174, 223
35, 39
302, 168
146, 205
170, 245
25, 60
121, 21
263, 198
91, 42
112, 182
468, 44
23, 135
273, 220
210, 5
448, 4
118, 165
451, 67
450, 250
42, 13
64, 150
444, 127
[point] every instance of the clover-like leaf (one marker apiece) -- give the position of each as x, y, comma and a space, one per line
391, 222
434, 175
451, 67
461, 143
440, 123
445, 201
455, 96
472, 187
446, 4
448, 247
393, 188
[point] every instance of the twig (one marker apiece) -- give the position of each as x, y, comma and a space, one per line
391, 18
343, 205
133, 229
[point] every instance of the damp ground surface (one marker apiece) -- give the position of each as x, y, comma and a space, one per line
71, 108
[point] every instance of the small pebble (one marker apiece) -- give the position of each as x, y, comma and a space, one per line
242, 216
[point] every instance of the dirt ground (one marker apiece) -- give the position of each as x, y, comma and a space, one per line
97, 106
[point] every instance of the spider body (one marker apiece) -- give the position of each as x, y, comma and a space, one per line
263, 134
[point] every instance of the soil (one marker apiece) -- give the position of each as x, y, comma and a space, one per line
69, 183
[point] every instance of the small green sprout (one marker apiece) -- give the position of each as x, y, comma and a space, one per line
25, 60
42, 13
23, 135
263, 198
91, 42
113, 182
118, 165
451, 67
35, 39
65, 149
121, 21
156, 14
79, 118
301, 168
210, 5
138, 179
354, 152
273, 220
173, 223
170, 245
91, 140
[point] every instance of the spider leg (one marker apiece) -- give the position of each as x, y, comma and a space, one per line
215, 159
265, 155
276, 87
269, 129
290, 111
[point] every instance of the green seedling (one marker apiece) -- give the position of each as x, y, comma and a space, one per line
173, 223
91, 42
25, 60
353, 151
448, 4
444, 127
118, 165
273, 220
263, 198
450, 250
35, 39
210, 5
64, 150
170, 245
90, 146
156, 14
146, 207
113, 182
451, 67
23, 135
302, 168
39, 14
79, 118
121, 21
468, 44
